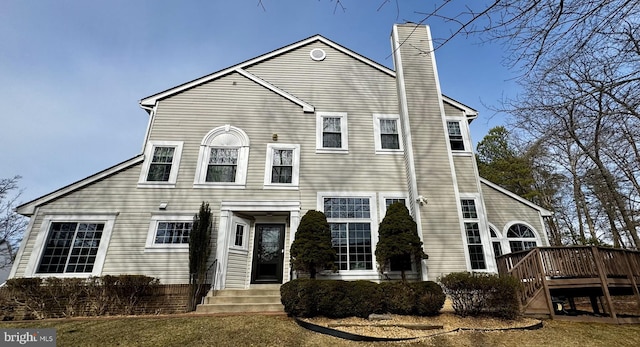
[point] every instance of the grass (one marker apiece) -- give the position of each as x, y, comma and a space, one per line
282, 331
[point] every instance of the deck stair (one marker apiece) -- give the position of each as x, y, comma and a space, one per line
264, 298
599, 273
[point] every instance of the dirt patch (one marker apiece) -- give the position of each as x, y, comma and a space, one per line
413, 326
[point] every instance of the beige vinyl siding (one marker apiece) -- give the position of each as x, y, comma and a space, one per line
262, 113
466, 175
238, 270
503, 210
452, 111
441, 225
134, 207
238, 101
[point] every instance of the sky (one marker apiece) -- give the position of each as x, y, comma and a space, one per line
72, 71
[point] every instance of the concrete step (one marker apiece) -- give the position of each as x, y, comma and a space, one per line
249, 299
239, 308
245, 292
259, 299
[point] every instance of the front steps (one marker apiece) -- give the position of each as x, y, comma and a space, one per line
264, 298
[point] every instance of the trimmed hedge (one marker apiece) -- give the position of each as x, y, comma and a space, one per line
68, 297
474, 294
338, 299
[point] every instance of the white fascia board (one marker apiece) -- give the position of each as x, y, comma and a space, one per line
28, 209
544, 212
306, 107
150, 101
469, 112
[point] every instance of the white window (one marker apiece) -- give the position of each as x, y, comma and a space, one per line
331, 132
169, 233
457, 138
387, 133
388, 198
282, 166
472, 230
521, 237
495, 242
223, 159
161, 162
71, 245
353, 231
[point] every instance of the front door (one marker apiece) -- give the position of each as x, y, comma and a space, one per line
268, 253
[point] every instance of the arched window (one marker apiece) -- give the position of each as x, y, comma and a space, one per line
521, 237
222, 162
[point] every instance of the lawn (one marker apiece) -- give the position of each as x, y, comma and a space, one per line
282, 331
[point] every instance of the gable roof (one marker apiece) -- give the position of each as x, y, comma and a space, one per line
150, 101
28, 208
544, 212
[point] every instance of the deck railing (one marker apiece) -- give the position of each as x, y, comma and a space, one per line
577, 261
536, 265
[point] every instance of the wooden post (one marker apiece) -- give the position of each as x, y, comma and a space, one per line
632, 277
543, 278
603, 281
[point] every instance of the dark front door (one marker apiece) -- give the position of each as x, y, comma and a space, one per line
268, 253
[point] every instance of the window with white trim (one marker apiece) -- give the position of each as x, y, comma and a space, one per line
456, 138
74, 245
350, 220
331, 132
521, 238
472, 230
387, 134
160, 168
223, 158
169, 233
495, 242
282, 166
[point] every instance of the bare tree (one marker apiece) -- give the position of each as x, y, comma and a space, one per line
12, 225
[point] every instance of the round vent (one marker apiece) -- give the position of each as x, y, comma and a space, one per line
317, 54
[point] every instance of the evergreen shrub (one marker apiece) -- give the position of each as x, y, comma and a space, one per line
474, 294
338, 299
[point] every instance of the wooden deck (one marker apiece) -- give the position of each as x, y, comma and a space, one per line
551, 273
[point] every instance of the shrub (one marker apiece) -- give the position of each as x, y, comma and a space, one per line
416, 298
338, 299
312, 249
429, 298
398, 240
299, 297
68, 297
473, 294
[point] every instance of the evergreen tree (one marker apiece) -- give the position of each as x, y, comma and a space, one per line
399, 244
199, 251
312, 249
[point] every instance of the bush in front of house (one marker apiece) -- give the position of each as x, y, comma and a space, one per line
312, 250
474, 294
53, 297
338, 299
413, 298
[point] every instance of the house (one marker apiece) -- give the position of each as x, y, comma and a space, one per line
312, 125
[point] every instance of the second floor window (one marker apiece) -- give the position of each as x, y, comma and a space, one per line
223, 164
160, 168
223, 159
456, 140
331, 132
386, 132
282, 166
